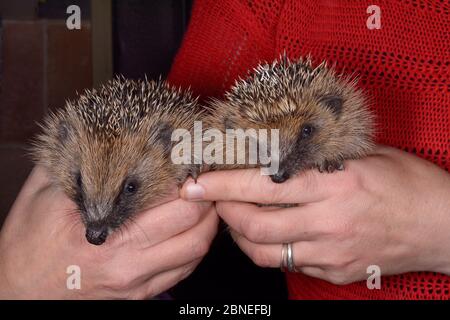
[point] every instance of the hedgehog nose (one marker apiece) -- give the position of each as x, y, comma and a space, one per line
280, 177
96, 234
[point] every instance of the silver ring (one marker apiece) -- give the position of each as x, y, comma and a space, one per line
283, 263
287, 258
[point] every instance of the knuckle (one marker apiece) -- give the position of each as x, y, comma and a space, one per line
152, 290
199, 248
121, 282
253, 230
137, 295
342, 270
186, 271
344, 231
118, 281
221, 207
338, 278
328, 227
261, 258
191, 214
340, 230
341, 262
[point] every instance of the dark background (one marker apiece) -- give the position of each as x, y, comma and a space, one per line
42, 64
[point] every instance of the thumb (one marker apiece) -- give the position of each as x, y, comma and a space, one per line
248, 185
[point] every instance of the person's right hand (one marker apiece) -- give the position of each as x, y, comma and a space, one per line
43, 236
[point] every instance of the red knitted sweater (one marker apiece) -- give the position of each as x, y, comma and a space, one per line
404, 67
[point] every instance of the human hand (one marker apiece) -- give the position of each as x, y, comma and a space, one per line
391, 209
43, 235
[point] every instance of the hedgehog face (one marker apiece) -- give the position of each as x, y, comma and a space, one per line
306, 135
117, 178
111, 178
304, 130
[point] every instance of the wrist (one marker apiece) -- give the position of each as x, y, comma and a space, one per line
439, 235
7, 291
443, 255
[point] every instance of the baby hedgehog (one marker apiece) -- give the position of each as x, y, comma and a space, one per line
323, 119
110, 150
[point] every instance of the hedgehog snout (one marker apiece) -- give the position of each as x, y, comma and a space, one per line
96, 234
280, 177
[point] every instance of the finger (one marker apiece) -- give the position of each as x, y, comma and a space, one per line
168, 279
179, 250
250, 186
36, 183
163, 222
281, 225
45, 201
39, 177
269, 255
150, 287
311, 271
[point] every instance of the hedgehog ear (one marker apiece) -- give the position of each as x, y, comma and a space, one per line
165, 135
333, 102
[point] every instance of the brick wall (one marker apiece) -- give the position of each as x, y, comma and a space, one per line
42, 64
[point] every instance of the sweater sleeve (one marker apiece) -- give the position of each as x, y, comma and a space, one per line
223, 41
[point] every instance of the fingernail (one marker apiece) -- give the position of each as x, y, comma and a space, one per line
194, 191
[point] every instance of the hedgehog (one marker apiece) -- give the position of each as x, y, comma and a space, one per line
110, 150
322, 117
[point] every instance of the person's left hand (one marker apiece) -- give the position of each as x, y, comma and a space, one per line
391, 209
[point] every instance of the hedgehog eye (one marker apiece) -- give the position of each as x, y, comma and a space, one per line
307, 131
130, 187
